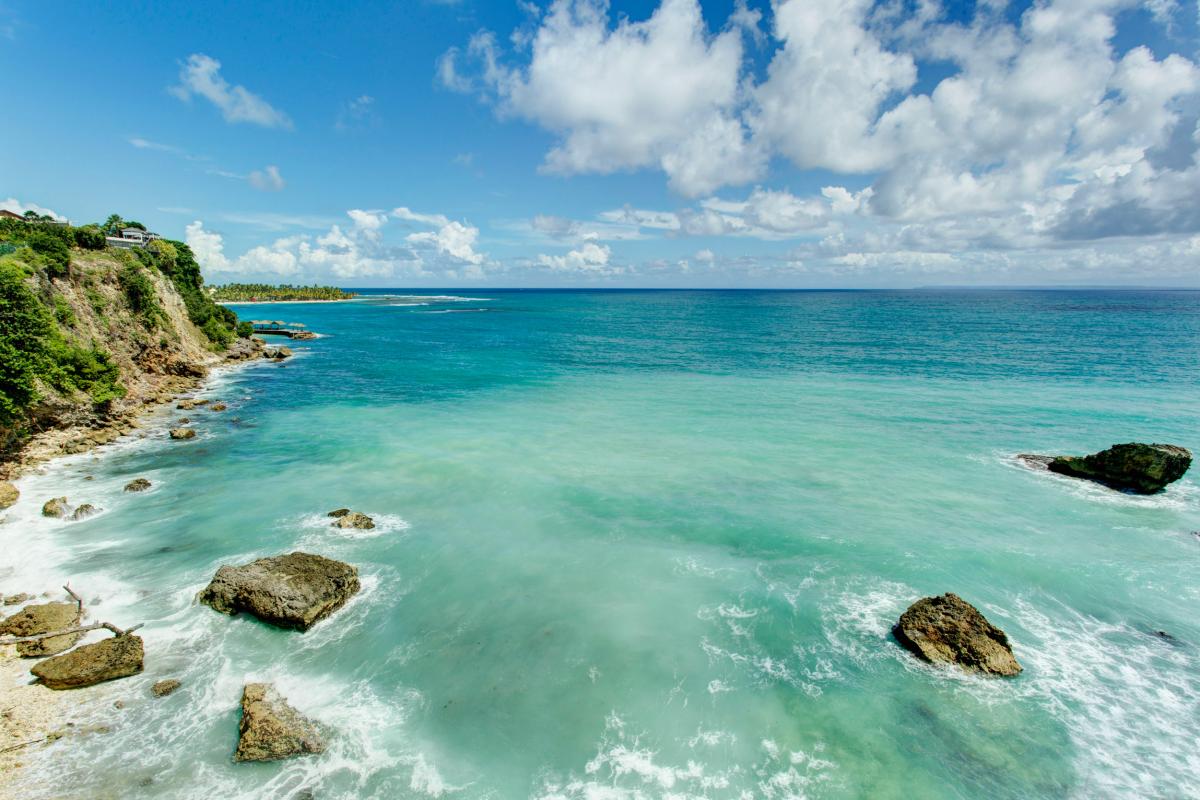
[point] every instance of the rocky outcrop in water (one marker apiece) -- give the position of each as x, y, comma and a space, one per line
271, 729
337, 513
56, 507
1132, 467
8, 494
949, 630
354, 519
84, 511
137, 485
105, 660
43, 618
277, 353
190, 403
218, 407
291, 591
183, 433
165, 687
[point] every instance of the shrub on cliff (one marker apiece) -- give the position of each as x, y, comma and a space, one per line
89, 237
35, 355
139, 291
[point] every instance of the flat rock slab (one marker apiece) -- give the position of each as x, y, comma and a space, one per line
105, 660
949, 630
43, 618
271, 729
291, 591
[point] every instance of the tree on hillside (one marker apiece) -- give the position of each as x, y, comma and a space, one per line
112, 226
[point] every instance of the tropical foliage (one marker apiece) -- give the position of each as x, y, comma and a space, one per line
263, 292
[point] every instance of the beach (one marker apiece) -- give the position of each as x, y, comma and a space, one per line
611, 558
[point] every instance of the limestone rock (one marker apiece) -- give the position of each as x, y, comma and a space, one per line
43, 618
56, 507
271, 729
949, 630
291, 591
15, 599
354, 520
1133, 467
183, 433
84, 511
105, 660
218, 407
137, 485
8, 494
164, 688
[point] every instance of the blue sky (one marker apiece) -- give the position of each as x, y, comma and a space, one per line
672, 143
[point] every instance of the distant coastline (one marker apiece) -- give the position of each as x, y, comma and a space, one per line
267, 293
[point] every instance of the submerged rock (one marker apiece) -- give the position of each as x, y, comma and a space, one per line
164, 688
56, 507
1133, 467
43, 618
949, 630
8, 494
218, 407
354, 519
84, 511
105, 660
271, 729
291, 591
137, 485
183, 433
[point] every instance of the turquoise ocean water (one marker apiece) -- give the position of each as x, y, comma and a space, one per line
650, 545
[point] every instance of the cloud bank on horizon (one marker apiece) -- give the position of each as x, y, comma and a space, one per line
800, 142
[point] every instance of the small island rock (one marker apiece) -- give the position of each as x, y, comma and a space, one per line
271, 729
105, 660
354, 520
56, 507
338, 512
949, 630
291, 591
183, 433
43, 618
84, 511
8, 494
137, 485
1133, 467
164, 688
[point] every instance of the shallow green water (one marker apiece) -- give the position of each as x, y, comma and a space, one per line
651, 545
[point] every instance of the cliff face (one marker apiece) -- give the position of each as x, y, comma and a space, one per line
84, 349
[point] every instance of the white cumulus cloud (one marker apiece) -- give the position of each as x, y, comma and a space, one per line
200, 76
267, 179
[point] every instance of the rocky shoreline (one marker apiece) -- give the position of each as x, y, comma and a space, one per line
32, 715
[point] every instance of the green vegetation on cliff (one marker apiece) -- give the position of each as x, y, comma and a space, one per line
262, 292
68, 303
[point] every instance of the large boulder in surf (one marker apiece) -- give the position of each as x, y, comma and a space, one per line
105, 660
271, 729
290, 591
354, 519
8, 494
1132, 467
43, 618
183, 433
949, 630
84, 511
137, 485
56, 507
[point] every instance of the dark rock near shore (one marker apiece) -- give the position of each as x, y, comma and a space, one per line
271, 729
183, 433
56, 507
218, 407
137, 485
43, 618
354, 520
84, 511
949, 630
8, 494
164, 688
277, 353
1132, 467
291, 591
338, 512
105, 660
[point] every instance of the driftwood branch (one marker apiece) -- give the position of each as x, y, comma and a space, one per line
66, 632
78, 600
